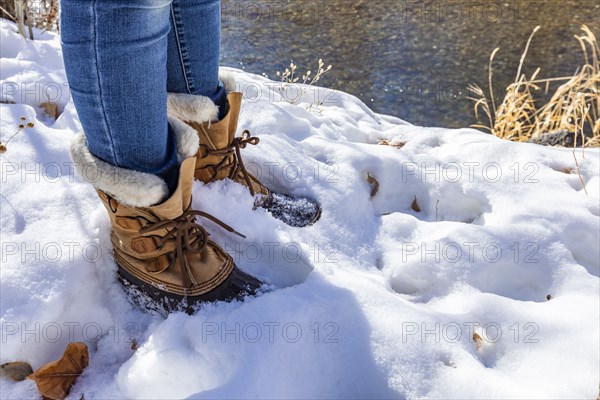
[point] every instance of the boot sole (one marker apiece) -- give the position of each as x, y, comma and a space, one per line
236, 286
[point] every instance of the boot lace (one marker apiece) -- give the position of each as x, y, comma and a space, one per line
237, 164
189, 237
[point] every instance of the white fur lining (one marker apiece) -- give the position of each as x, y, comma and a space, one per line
228, 80
189, 107
133, 188
201, 109
187, 138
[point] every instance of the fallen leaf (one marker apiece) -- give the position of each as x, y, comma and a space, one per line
478, 341
17, 370
56, 378
50, 108
386, 142
374, 184
415, 205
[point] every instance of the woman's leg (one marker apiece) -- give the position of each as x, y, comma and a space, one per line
193, 69
115, 54
193, 50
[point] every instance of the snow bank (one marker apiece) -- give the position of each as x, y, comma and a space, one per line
376, 300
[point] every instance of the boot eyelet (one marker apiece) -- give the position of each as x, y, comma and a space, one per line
110, 206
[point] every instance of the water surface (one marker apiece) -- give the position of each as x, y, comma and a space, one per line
412, 59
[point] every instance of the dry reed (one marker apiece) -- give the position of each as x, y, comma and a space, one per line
574, 107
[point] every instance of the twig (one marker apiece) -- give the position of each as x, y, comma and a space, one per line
7, 13
28, 18
537, 28
20, 18
579, 172
490, 79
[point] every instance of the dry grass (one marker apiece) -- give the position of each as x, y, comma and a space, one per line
46, 14
574, 106
41, 14
293, 89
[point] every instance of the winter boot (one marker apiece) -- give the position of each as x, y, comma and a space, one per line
219, 156
165, 258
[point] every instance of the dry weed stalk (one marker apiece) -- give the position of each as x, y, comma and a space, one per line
289, 79
46, 15
574, 106
42, 14
23, 124
8, 12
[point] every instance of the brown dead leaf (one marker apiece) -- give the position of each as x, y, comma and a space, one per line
50, 108
478, 341
386, 142
56, 378
415, 205
17, 370
374, 184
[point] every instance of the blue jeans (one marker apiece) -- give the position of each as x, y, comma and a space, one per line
122, 56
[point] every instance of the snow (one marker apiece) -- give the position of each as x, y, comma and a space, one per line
376, 300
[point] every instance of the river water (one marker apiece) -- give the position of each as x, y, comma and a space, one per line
411, 59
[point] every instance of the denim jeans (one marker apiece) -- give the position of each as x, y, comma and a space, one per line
122, 56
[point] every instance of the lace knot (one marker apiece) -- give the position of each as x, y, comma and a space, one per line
189, 237
233, 150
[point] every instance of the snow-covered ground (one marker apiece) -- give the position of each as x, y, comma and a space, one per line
376, 300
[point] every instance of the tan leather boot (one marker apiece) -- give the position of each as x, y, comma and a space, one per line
163, 255
219, 153
219, 156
